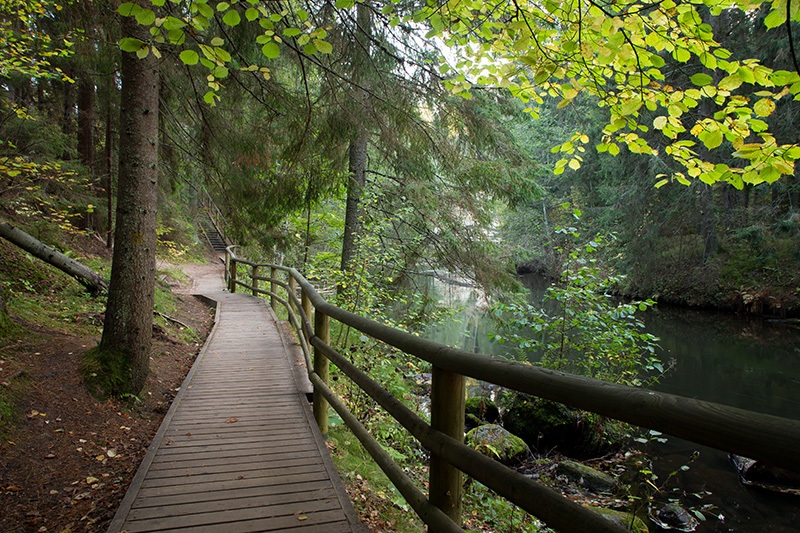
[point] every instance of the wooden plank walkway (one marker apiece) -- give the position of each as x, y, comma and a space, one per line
238, 450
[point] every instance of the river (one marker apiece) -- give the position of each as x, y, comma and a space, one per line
746, 362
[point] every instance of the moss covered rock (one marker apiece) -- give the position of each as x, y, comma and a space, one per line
586, 476
496, 442
480, 410
547, 425
621, 518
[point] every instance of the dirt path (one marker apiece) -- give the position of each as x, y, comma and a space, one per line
204, 278
66, 458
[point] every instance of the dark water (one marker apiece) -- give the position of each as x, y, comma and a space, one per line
750, 363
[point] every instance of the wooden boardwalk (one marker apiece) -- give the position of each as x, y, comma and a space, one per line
239, 450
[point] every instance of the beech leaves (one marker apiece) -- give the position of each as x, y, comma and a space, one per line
621, 53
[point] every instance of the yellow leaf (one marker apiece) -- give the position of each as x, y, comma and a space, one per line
764, 107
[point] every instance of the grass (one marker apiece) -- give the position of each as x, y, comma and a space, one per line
9, 395
373, 495
39, 294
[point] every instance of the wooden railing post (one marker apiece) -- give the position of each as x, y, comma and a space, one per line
306, 303
322, 329
292, 292
253, 274
447, 415
273, 287
232, 276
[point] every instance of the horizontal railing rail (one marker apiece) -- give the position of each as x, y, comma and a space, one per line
756, 435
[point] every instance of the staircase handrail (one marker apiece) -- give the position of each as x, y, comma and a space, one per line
214, 215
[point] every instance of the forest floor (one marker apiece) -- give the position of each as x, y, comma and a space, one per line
67, 458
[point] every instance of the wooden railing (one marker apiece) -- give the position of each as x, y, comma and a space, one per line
756, 435
208, 205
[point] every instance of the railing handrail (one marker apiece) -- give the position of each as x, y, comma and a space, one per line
215, 216
756, 435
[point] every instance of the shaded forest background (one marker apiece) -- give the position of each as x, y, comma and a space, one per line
359, 164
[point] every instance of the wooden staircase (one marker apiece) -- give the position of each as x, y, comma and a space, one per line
213, 236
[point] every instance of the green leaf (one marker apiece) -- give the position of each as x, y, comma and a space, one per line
730, 83
775, 18
271, 50
176, 36
310, 49
146, 17
189, 57
143, 52
323, 47
128, 9
292, 32
222, 54
344, 4
129, 44
205, 10
251, 14
713, 139
701, 80
217, 41
232, 18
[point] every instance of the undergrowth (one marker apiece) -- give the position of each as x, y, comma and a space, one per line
372, 494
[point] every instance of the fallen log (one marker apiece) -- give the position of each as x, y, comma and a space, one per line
90, 279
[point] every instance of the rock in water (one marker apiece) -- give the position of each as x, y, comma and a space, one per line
587, 476
673, 516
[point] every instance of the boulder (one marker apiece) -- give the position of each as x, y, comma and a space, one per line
547, 425
497, 443
674, 517
480, 410
627, 520
587, 476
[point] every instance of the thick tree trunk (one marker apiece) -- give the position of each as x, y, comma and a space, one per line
128, 324
89, 278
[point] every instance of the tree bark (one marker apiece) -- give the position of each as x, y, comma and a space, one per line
86, 122
67, 123
108, 182
353, 211
358, 145
129, 315
93, 281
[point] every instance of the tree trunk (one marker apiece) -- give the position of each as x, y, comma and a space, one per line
67, 123
108, 182
89, 278
353, 211
358, 145
86, 122
128, 324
